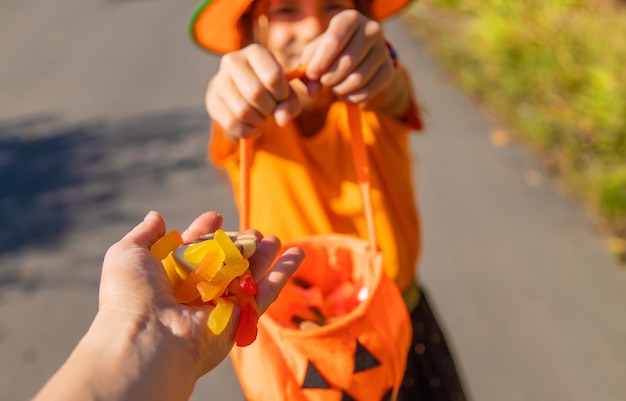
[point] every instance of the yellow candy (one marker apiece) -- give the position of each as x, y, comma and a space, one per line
180, 270
211, 262
231, 252
173, 274
196, 252
202, 273
216, 263
220, 316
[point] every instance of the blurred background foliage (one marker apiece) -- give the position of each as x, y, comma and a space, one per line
555, 72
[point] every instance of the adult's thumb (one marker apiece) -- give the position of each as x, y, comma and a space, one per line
146, 233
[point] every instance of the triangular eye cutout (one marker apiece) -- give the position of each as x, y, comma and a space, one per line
313, 378
363, 359
346, 397
388, 396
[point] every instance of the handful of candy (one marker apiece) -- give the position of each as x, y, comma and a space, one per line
214, 270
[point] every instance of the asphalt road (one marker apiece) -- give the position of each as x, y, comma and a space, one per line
102, 120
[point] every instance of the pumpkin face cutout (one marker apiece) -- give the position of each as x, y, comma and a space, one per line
360, 356
360, 384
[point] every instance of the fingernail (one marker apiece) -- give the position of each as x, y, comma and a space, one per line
312, 73
281, 117
151, 215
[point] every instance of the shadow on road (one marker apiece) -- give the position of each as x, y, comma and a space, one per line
56, 178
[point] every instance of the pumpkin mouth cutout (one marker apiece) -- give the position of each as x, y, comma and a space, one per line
327, 288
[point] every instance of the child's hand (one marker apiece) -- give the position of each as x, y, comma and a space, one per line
249, 87
351, 57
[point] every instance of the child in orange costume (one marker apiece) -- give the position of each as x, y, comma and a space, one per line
303, 161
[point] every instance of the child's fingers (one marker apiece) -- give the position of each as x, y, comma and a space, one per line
332, 42
224, 116
247, 90
365, 44
372, 75
238, 105
256, 77
256, 95
273, 282
307, 54
268, 72
287, 110
378, 82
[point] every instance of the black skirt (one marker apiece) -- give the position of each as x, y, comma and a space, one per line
431, 374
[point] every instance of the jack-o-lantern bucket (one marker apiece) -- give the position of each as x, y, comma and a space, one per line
359, 356
340, 329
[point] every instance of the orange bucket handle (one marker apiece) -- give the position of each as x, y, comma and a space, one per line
360, 161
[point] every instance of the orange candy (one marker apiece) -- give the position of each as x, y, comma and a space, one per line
166, 244
301, 302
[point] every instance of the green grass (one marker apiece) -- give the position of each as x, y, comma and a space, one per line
554, 71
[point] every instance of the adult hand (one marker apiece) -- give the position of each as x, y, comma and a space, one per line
134, 284
142, 343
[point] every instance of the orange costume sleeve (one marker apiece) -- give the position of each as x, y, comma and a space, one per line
307, 186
